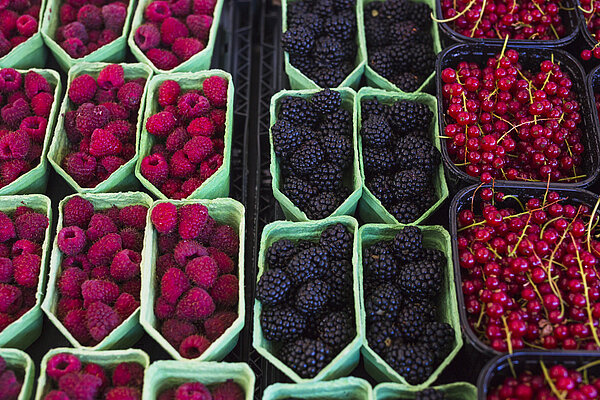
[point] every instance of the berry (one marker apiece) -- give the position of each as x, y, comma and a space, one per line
173, 284
407, 244
77, 211
413, 362
175, 331
306, 357
128, 374
147, 37
228, 390
168, 92
273, 287
215, 90
202, 271
101, 320
226, 290
99, 291
195, 305
79, 385
82, 89
62, 364
216, 325
162, 59
193, 346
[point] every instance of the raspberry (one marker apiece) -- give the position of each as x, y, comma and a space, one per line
80, 385
202, 271
185, 47
226, 239
202, 126
6, 270
32, 226
104, 95
24, 246
173, 284
114, 16
77, 211
104, 143
195, 305
134, 216
215, 89
74, 47
123, 393
157, 11
199, 25
35, 128
163, 263
163, 309
189, 186
8, 22
168, 394
103, 251
121, 129
10, 80
67, 14
116, 111
223, 261
108, 165
164, 217
147, 36
132, 287
162, 59
75, 323
166, 243
101, 320
90, 16
125, 265
82, 89
132, 239
27, 25
14, 145
180, 166
175, 331
70, 281
198, 148
35, 84
216, 325
90, 117
225, 290
75, 30
130, 95
71, 240
192, 218
101, 273
192, 105
155, 168
27, 269
80, 166
125, 305
171, 29
193, 347
10, 298
128, 374
218, 117
161, 124
41, 104
56, 395
168, 92
7, 228
11, 170
100, 225
180, 8
13, 114
62, 364
170, 187
228, 390
188, 249
99, 290
112, 76
98, 371
67, 304
204, 7
5, 320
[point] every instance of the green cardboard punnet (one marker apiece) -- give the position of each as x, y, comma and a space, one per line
352, 177
31, 53
347, 359
433, 237
343, 388
163, 375
453, 391
22, 365
130, 330
217, 185
224, 211
123, 178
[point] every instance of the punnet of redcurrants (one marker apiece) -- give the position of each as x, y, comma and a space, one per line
528, 271
591, 13
503, 121
519, 20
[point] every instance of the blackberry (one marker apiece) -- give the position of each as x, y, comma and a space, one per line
408, 244
305, 64
330, 76
312, 297
298, 8
306, 357
376, 30
308, 264
426, 199
409, 183
413, 319
379, 262
308, 20
408, 32
420, 279
338, 148
395, 10
417, 152
378, 161
405, 211
434, 255
297, 110
420, 14
273, 287
298, 40
337, 330
376, 132
382, 62
380, 188
349, 50
381, 335
323, 205
302, 245
307, 158
328, 51
372, 106
430, 394
341, 27
298, 191
383, 303
338, 241
345, 5
339, 122
339, 278
418, 58
408, 116
281, 323
280, 253
413, 362
328, 177
326, 101
439, 337
324, 8
406, 81
287, 137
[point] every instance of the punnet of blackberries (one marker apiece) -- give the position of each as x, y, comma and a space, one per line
402, 283
399, 42
399, 158
313, 142
307, 299
321, 39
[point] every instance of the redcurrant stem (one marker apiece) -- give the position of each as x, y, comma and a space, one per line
590, 11
514, 250
460, 14
480, 316
535, 346
503, 49
570, 178
473, 197
479, 19
585, 367
508, 342
535, 289
510, 196
538, 7
553, 388
589, 230
549, 72
554, 31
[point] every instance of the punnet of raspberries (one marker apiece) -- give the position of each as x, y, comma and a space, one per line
11, 381
402, 284
188, 135
313, 142
101, 124
399, 41
84, 27
321, 39
19, 20
25, 105
505, 121
307, 299
228, 390
174, 31
99, 283
70, 378
22, 234
197, 286
399, 158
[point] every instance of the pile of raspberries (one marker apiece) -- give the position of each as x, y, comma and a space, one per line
228, 390
70, 379
10, 383
101, 124
174, 31
18, 22
85, 27
22, 235
25, 101
189, 134
197, 291
99, 285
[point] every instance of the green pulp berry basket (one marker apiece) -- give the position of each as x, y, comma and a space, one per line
347, 359
35, 180
129, 331
25, 330
106, 359
163, 375
114, 51
370, 208
298, 80
453, 391
22, 365
352, 176
224, 211
198, 62
31, 53
217, 185
343, 388
123, 178
433, 237
374, 79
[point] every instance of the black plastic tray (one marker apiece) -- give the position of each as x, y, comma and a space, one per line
530, 58
585, 33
